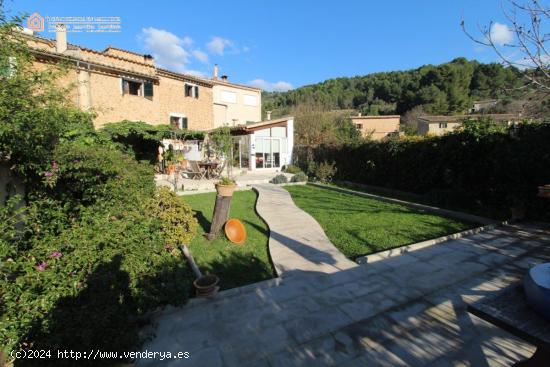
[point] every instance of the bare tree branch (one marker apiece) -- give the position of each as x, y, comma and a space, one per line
527, 22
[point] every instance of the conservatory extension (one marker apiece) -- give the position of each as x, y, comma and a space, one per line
264, 145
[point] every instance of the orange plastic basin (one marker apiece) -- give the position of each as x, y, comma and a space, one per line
235, 231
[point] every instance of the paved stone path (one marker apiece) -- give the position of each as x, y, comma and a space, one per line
406, 310
296, 241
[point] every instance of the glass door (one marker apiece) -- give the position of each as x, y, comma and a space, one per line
268, 153
276, 153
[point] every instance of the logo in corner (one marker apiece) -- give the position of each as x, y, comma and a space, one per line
35, 22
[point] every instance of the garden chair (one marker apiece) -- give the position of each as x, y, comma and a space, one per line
219, 170
195, 171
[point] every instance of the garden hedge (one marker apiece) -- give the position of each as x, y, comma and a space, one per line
483, 171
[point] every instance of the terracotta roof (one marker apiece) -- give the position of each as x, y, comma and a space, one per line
95, 64
459, 118
185, 77
120, 49
257, 125
269, 122
76, 47
170, 73
381, 117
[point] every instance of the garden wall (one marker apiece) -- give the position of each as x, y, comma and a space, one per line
488, 174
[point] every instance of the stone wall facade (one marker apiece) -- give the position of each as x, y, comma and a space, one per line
96, 84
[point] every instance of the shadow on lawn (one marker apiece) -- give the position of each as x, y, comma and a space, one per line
236, 269
203, 222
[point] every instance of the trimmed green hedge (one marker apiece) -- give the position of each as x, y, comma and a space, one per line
487, 171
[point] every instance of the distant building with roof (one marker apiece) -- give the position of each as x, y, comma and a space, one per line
439, 125
377, 127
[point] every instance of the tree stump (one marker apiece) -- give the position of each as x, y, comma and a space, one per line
220, 216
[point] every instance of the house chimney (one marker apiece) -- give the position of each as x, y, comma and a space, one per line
215, 74
224, 78
359, 114
268, 113
61, 38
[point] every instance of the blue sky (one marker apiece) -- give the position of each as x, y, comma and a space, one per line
284, 43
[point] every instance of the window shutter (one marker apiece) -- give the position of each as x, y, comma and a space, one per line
186, 90
184, 122
196, 91
148, 90
125, 86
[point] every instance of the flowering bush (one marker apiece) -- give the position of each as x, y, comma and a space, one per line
92, 259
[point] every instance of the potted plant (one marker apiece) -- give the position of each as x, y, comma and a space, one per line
225, 186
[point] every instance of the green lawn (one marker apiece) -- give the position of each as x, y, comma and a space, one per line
236, 265
360, 226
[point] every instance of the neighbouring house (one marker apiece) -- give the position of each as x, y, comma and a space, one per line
264, 145
439, 125
479, 106
234, 104
377, 127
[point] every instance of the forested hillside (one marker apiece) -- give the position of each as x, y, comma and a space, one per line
443, 89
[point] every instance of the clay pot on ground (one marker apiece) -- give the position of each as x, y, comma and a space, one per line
206, 286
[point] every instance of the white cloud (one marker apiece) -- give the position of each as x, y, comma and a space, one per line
279, 86
201, 56
167, 48
500, 34
217, 45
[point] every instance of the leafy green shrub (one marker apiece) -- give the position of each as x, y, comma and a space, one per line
85, 257
178, 225
325, 171
299, 177
292, 169
279, 179
97, 253
478, 169
142, 139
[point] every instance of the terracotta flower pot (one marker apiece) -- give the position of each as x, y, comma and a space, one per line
206, 286
225, 190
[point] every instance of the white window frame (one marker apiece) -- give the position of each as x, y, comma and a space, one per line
180, 116
194, 90
245, 96
231, 92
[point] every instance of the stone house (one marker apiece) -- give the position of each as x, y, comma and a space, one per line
439, 125
377, 127
118, 84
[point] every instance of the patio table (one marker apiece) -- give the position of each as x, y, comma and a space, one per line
509, 310
210, 168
